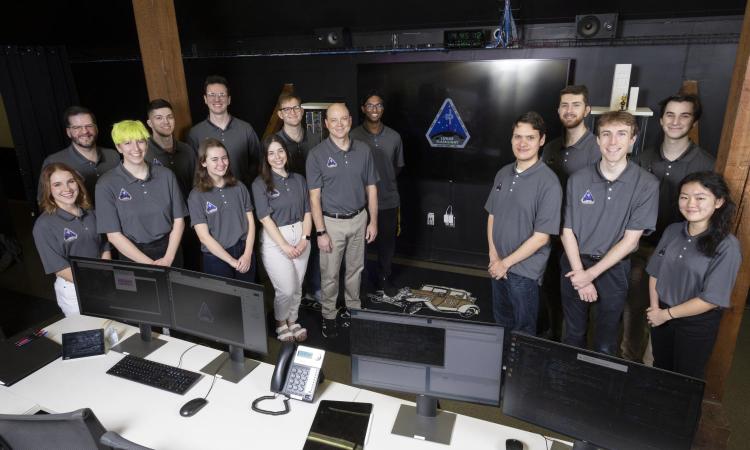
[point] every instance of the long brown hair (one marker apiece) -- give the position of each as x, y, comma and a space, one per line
46, 202
266, 173
203, 181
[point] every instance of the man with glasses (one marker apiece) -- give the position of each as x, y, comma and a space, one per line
388, 153
238, 136
89, 160
298, 141
342, 179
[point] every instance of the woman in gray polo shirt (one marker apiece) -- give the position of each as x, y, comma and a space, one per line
283, 207
692, 274
222, 215
66, 227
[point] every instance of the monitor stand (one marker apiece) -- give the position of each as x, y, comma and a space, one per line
232, 365
424, 422
141, 344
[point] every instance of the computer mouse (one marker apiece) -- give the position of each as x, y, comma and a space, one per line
193, 406
513, 444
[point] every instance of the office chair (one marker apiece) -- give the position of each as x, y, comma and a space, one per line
78, 429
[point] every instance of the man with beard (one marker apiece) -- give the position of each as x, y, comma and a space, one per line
238, 136
388, 153
165, 150
575, 149
83, 155
675, 158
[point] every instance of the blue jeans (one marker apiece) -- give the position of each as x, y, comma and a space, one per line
215, 266
612, 291
515, 303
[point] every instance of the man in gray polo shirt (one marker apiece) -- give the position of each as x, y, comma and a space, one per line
83, 155
575, 149
608, 206
675, 158
388, 153
342, 179
165, 150
238, 136
298, 142
524, 210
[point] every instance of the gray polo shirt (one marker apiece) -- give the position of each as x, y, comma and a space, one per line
224, 210
388, 153
522, 204
287, 203
564, 161
297, 151
60, 235
599, 211
682, 272
240, 140
142, 210
670, 173
342, 176
89, 170
181, 162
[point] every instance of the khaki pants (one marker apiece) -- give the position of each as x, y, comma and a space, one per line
348, 241
286, 274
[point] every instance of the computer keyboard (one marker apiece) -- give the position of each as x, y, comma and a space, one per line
151, 373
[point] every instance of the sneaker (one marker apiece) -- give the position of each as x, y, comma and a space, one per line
344, 315
329, 329
387, 287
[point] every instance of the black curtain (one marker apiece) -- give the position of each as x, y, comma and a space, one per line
37, 85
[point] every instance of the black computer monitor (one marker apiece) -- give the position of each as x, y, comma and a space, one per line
124, 291
230, 312
599, 400
433, 358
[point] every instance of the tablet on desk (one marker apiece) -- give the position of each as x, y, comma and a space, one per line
339, 425
82, 344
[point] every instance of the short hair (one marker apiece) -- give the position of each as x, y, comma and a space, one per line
74, 111
128, 130
622, 117
532, 118
158, 103
577, 89
46, 202
202, 179
283, 98
215, 79
680, 98
369, 94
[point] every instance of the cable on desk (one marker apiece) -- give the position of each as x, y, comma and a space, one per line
257, 401
179, 363
221, 366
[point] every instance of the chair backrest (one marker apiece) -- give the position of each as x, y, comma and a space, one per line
78, 429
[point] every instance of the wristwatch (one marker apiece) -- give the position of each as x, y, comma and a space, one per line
320, 233
306, 236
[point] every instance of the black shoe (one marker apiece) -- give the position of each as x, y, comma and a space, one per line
387, 287
329, 329
345, 316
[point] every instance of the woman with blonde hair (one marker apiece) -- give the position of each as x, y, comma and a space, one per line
66, 227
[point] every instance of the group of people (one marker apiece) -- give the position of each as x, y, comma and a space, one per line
665, 206
577, 218
136, 205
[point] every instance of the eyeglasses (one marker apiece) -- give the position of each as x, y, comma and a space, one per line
219, 95
290, 109
77, 128
373, 106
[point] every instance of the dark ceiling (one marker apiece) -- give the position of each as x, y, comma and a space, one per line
98, 24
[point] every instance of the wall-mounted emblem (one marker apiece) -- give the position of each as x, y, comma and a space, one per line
447, 129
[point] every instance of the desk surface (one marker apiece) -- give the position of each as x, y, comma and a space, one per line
151, 417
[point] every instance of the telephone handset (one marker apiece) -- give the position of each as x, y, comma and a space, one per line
297, 371
297, 374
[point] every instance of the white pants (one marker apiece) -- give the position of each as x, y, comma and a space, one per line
285, 274
67, 299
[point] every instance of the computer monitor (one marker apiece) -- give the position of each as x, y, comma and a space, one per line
599, 400
431, 357
226, 311
124, 291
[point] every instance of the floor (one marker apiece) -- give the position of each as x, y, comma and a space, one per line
27, 299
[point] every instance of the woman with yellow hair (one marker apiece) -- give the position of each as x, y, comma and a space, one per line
139, 206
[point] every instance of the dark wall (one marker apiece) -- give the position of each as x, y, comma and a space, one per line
116, 90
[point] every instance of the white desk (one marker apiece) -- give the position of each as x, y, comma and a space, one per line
151, 417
